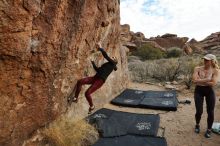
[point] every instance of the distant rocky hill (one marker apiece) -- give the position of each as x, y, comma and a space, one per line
170, 40
211, 43
131, 40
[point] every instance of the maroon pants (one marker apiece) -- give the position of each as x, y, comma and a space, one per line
95, 82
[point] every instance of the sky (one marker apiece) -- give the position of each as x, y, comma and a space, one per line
186, 18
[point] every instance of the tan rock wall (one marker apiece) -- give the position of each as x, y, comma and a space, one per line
45, 47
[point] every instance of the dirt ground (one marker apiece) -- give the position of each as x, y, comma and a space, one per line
179, 125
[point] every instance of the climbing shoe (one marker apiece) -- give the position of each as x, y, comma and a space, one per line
70, 100
91, 108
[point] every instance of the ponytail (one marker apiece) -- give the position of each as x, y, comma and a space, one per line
215, 64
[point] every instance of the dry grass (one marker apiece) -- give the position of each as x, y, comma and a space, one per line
163, 69
66, 132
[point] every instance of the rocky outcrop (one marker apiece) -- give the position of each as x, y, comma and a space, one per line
168, 35
195, 46
134, 40
131, 40
211, 43
170, 40
126, 37
187, 49
45, 47
125, 32
138, 38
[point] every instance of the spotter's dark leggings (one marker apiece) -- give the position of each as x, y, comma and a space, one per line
209, 94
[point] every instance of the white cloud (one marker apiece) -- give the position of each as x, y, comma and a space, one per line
190, 18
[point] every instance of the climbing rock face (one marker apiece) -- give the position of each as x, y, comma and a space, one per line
45, 47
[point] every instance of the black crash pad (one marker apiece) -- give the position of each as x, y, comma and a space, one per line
131, 140
112, 123
129, 97
163, 100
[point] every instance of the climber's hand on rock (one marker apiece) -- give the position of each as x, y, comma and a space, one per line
98, 45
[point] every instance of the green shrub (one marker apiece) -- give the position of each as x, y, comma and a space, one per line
138, 72
161, 70
174, 52
148, 52
167, 69
187, 67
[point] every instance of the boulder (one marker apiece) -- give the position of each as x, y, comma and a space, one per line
187, 49
138, 38
211, 43
125, 28
169, 35
131, 46
126, 34
45, 47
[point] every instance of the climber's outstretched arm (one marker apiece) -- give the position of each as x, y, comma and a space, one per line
105, 55
94, 66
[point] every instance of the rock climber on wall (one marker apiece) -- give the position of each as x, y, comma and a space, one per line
95, 81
